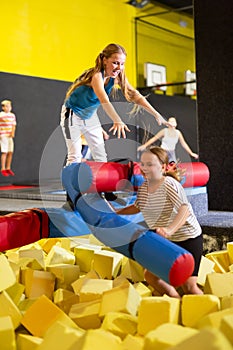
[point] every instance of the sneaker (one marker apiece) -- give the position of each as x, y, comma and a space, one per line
4, 172
10, 172
110, 196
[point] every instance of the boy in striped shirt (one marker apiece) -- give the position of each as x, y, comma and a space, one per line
7, 133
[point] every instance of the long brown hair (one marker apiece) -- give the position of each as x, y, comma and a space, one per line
86, 77
173, 169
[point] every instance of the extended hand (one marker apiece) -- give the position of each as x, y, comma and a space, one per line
141, 148
119, 129
162, 231
160, 120
194, 155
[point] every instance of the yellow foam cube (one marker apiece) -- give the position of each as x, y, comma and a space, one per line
194, 307
226, 302
84, 258
65, 274
133, 342
120, 280
12, 255
221, 260
86, 315
206, 267
25, 304
175, 308
16, 269
226, 327
60, 337
97, 339
167, 335
77, 285
47, 244
219, 284
49, 313
16, 292
120, 324
107, 263
26, 262
210, 339
214, 319
64, 299
123, 298
59, 255
93, 289
154, 311
7, 334
27, 342
8, 308
230, 251
132, 270
7, 276
143, 290
36, 254
38, 283
34, 245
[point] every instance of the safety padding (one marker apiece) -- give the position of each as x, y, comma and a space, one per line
66, 223
196, 174
92, 177
165, 259
155, 253
23, 227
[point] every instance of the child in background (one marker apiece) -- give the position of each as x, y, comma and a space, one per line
7, 134
169, 138
166, 210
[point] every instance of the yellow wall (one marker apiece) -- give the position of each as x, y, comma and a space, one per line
163, 41
59, 39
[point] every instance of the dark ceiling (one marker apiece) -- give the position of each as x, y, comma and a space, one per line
185, 6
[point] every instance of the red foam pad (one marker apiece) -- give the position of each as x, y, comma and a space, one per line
181, 269
110, 176
23, 227
196, 174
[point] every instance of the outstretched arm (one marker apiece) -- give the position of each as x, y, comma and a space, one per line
186, 147
119, 127
158, 136
140, 100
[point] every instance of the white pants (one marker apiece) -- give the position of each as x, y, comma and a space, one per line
73, 126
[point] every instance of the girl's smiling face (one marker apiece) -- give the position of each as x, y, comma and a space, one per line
114, 64
151, 166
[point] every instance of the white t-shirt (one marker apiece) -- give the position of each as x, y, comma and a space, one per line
170, 140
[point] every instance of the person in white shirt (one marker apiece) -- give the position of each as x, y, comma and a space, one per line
169, 138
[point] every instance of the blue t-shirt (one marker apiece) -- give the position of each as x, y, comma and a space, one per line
83, 101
